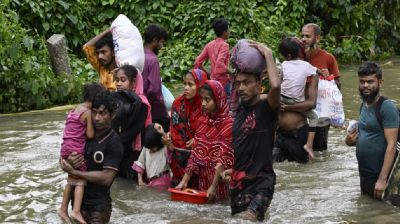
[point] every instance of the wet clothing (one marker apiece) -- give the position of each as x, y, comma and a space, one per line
295, 74
97, 217
217, 51
290, 145
137, 146
155, 165
106, 75
184, 120
105, 153
212, 143
253, 177
371, 143
74, 136
152, 89
128, 123
323, 60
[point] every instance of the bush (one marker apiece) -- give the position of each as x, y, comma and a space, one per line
26, 77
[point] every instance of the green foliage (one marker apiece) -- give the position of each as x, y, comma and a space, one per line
352, 30
26, 78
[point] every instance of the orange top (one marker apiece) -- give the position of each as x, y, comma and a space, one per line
322, 59
106, 76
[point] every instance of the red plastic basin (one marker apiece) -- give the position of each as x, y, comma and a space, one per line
188, 195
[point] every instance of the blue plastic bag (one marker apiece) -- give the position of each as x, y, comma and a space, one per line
168, 97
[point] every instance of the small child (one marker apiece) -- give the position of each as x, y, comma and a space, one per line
153, 159
295, 72
78, 127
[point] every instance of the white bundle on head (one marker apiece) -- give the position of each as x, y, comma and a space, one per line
128, 43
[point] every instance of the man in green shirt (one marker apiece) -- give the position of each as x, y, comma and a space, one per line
375, 142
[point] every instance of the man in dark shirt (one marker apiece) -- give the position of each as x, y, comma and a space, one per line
252, 177
103, 155
154, 37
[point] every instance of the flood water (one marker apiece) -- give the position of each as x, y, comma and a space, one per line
326, 191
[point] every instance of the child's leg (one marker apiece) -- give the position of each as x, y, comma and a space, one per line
78, 196
313, 120
63, 210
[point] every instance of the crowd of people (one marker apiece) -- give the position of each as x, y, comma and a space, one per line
221, 129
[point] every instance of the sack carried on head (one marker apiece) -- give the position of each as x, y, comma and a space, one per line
246, 58
128, 43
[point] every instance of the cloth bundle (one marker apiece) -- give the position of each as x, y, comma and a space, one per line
128, 43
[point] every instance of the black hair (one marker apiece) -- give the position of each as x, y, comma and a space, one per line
152, 138
220, 26
106, 99
130, 72
370, 68
90, 90
316, 28
154, 31
105, 40
207, 88
289, 48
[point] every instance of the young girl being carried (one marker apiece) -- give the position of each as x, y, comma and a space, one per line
212, 151
295, 72
153, 159
78, 127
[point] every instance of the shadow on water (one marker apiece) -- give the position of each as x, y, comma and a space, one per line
326, 191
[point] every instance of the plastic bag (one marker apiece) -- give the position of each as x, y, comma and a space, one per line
128, 43
168, 97
329, 103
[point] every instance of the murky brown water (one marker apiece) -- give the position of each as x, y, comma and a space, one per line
326, 191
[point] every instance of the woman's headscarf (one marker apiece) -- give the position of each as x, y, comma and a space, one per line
139, 91
213, 139
185, 113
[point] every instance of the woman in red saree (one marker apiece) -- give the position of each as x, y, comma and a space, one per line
212, 151
185, 113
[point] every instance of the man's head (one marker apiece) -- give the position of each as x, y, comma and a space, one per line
248, 87
105, 50
154, 37
103, 110
370, 81
311, 35
221, 28
289, 48
153, 136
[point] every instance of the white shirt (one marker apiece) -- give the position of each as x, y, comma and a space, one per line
295, 73
154, 163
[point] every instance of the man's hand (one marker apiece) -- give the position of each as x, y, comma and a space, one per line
351, 138
264, 50
283, 107
66, 166
75, 159
380, 187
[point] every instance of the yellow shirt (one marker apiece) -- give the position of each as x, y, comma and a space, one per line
106, 76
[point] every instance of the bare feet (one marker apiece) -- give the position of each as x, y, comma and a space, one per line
310, 152
77, 216
63, 214
248, 215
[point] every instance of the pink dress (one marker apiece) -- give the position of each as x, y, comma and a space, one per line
74, 137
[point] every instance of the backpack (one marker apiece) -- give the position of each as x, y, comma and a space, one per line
379, 116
